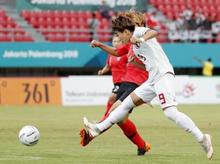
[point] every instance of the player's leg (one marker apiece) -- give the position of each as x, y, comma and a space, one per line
116, 116
121, 111
127, 126
185, 122
166, 94
130, 131
85, 137
111, 100
113, 107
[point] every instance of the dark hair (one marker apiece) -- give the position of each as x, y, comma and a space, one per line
209, 59
120, 23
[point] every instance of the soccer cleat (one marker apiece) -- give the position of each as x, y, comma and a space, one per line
207, 145
142, 151
92, 129
85, 138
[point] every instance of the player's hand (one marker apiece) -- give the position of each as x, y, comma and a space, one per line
100, 72
135, 40
95, 43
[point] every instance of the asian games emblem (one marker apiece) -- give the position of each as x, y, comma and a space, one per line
188, 90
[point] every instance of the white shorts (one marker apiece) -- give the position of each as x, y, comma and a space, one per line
163, 89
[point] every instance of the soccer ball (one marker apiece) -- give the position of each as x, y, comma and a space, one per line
29, 135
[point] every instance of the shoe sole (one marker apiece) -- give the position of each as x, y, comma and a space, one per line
211, 148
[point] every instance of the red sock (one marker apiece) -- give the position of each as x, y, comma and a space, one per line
130, 131
108, 107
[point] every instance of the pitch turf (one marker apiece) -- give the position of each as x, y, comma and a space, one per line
59, 143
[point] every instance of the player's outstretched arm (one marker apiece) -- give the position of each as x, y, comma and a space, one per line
149, 34
109, 49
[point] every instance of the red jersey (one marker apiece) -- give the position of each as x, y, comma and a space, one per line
134, 74
118, 67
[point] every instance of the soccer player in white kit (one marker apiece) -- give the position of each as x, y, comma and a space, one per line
160, 83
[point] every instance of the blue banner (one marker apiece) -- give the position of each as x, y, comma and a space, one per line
182, 55
50, 55
82, 55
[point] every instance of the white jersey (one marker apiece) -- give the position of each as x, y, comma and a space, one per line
152, 55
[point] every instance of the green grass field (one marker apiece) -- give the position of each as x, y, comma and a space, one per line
59, 143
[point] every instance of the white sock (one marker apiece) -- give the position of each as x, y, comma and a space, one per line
184, 122
117, 115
